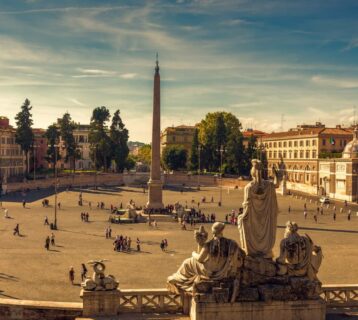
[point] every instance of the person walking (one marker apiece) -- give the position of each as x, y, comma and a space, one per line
138, 244
83, 272
129, 243
6, 211
17, 230
52, 239
47, 243
71, 275
334, 216
46, 223
315, 218
349, 215
162, 245
305, 214
289, 209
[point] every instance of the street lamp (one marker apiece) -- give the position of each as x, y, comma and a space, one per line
34, 146
221, 150
199, 149
55, 220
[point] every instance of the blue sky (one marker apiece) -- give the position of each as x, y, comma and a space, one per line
257, 59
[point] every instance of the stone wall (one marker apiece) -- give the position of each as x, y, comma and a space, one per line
77, 180
11, 309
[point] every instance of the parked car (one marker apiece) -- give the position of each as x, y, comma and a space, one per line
324, 200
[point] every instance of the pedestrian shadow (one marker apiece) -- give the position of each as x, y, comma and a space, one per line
134, 252
54, 250
2, 294
4, 276
151, 243
169, 251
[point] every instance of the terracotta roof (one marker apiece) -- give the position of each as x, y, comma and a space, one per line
308, 132
249, 133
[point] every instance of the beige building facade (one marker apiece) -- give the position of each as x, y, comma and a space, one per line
181, 135
12, 159
310, 158
81, 135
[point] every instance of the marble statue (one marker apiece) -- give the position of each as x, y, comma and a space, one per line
218, 259
99, 281
257, 223
298, 255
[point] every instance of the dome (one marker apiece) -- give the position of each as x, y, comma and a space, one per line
351, 149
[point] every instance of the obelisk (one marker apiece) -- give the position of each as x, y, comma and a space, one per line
155, 196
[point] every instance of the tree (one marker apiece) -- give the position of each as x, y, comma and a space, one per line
119, 138
101, 146
221, 129
24, 135
174, 157
194, 154
53, 136
130, 162
145, 154
66, 131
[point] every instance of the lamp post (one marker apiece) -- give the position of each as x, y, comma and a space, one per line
55, 218
34, 146
199, 149
221, 150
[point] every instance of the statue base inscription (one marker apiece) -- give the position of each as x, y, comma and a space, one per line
278, 310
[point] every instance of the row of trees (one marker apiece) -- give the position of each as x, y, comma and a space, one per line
218, 138
107, 146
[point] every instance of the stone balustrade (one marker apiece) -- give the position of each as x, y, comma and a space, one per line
338, 297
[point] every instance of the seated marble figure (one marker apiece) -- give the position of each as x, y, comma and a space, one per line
299, 256
217, 259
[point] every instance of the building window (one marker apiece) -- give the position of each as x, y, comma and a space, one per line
284, 154
274, 144
290, 143
279, 144
270, 144
301, 143
313, 142
290, 154
270, 154
323, 142
295, 144
284, 144
314, 154
301, 154
307, 143
274, 154
295, 154
307, 154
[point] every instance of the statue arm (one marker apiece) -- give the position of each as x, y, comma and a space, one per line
276, 181
201, 257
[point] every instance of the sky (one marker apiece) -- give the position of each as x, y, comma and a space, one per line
274, 64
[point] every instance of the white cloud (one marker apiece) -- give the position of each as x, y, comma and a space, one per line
128, 75
76, 102
335, 82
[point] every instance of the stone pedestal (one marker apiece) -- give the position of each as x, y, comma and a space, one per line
100, 303
277, 310
155, 194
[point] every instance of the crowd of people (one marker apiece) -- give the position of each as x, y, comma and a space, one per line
84, 216
124, 244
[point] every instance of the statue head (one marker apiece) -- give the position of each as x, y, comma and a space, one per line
256, 169
291, 228
218, 229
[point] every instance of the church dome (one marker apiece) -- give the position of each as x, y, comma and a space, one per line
351, 149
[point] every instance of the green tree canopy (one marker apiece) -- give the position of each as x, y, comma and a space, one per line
194, 153
53, 136
119, 138
145, 154
174, 157
24, 135
101, 146
67, 125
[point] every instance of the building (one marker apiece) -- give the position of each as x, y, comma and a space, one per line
248, 133
181, 135
39, 152
310, 157
80, 133
12, 159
